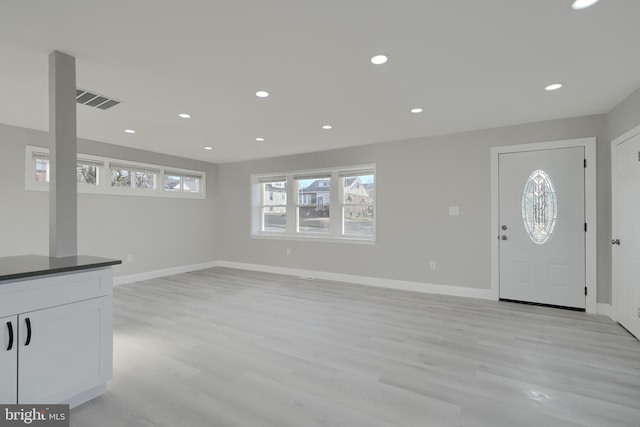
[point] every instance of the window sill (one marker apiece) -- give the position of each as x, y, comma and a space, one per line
308, 238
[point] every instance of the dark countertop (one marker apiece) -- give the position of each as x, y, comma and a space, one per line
24, 266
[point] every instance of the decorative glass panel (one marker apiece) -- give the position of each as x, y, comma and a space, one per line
539, 207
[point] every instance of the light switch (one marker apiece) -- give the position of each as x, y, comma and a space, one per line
454, 210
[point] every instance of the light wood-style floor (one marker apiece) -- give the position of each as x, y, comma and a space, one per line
222, 347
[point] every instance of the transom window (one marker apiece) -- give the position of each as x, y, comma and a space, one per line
102, 175
324, 204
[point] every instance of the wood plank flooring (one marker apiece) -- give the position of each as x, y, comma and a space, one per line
222, 347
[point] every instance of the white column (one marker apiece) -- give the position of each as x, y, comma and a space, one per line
63, 198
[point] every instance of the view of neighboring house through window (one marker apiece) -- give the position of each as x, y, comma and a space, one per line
273, 204
42, 167
330, 204
314, 203
357, 203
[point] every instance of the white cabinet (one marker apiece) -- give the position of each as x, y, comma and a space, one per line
67, 353
9, 360
62, 338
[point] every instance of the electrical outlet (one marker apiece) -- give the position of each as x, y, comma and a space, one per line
638, 311
130, 258
288, 251
432, 265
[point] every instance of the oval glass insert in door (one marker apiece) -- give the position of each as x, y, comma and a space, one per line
539, 207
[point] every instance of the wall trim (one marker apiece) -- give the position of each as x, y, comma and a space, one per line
430, 288
605, 310
148, 275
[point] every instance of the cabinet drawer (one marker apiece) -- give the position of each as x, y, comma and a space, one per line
35, 294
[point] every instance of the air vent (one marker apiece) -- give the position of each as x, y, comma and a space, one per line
102, 102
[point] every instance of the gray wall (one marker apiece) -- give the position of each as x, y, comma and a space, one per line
158, 232
417, 181
625, 116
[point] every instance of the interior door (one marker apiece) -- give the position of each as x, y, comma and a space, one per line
9, 360
626, 241
542, 227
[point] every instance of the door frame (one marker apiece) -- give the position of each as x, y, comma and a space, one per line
615, 283
591, 248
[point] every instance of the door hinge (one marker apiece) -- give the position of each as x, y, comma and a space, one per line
585, 163
585, 290
585, 227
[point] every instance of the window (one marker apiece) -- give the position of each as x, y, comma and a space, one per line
329, 204
313, 205
357, 203
175, 181
273, 205
120, 177
130, 176
88, 171
109, 176
42, 167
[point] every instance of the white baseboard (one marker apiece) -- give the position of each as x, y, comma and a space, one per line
369, 281
605, 309
122, 280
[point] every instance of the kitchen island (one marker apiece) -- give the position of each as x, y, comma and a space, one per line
56, 328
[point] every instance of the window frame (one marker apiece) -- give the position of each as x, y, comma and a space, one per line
261, 205
336, 197
104, 177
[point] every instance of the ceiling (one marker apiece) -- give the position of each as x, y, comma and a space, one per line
469, 64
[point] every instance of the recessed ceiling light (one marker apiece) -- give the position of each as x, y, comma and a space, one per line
417, 110
554, 86
260, 139
184, 116
262, 94
130, 131
208, 148
379, 59
327, 127
583, 4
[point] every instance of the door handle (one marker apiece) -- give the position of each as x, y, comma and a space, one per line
28, 322
615, 242
10, 327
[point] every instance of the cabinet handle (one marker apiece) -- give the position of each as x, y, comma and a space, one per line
28, 321
10, 327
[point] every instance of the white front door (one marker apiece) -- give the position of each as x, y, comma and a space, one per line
626, 229
542, 227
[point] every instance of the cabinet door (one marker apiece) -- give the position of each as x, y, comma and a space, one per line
9, 360
68, 351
